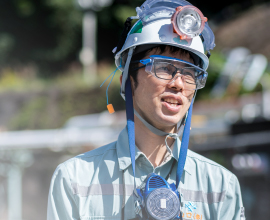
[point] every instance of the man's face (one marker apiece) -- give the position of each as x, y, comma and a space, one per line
162, 105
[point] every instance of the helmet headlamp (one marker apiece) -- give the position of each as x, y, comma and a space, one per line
188, 21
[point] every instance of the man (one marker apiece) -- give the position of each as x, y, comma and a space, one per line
148, 173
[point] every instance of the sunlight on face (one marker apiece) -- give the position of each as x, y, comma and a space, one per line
161, 104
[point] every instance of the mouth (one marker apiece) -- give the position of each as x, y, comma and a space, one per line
171, 101
172, 104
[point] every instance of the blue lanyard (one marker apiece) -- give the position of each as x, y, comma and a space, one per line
184, 146
130, 123
131, 134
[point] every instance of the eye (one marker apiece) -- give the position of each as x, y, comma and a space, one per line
188, 73
163, 68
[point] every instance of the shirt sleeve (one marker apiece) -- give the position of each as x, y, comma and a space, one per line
232, 206
61, 201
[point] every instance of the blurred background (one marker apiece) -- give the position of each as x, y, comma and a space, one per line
55, 54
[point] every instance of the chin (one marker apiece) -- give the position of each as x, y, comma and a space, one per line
170, 120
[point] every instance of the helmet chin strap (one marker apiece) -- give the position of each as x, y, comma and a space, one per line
126, 92
131, 133
125, 72
159, 132
153, 129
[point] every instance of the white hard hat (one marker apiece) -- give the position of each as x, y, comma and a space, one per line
160, 32
155, 27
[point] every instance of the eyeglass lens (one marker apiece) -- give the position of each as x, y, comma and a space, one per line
167, 71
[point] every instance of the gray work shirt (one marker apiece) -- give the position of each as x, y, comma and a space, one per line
96, 184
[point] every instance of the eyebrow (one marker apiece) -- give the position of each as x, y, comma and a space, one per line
180, 65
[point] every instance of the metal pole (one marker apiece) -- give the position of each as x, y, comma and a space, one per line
88, 53
14, 193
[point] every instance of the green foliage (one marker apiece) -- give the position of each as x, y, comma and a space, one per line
25, 8
31, 115
39, 43
49, 110
52, 102
47, 33
122, 12
9, 80
217, 61
67, 20
7, 42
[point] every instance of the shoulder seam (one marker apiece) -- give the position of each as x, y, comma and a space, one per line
97, 154
213, 164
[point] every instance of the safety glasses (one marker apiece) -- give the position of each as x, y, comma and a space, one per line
168, 69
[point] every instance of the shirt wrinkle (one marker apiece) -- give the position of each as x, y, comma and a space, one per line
93, 188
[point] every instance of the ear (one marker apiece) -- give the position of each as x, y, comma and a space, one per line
121, 77
132, 85
131, 81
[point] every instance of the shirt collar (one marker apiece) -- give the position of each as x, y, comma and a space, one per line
175, 154
122, 149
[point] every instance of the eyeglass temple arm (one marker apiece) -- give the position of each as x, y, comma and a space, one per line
144, 62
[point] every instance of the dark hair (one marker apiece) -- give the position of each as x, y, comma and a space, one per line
159, 49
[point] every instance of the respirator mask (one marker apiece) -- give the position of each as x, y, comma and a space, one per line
157, 199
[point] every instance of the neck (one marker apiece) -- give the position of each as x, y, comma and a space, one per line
152, 145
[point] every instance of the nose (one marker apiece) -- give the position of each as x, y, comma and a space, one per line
177, 82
